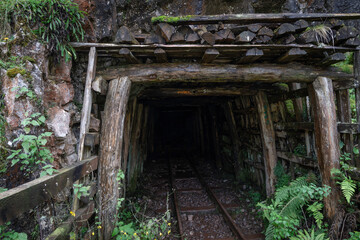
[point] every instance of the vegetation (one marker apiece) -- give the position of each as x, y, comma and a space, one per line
7, 234
169, 19
295, 206
55, 22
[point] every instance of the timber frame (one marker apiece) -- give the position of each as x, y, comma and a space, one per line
249, 74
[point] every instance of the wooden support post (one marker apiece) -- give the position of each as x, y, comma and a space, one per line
268, 141
210, 55
111, 152
326, 137
251, 55
357, 95
160, 55
127, 54
234, 136
292, 55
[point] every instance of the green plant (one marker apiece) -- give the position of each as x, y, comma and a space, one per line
80, 190
34, 152
56, 22
6, 234
282, 178
323, 33
354, 236
285, 213
300, 150
305, 235
347, 185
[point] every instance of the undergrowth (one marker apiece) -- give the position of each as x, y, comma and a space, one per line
55, 22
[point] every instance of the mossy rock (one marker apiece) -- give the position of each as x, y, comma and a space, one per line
11, 73
30, 59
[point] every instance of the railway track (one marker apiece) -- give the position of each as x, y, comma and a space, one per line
199, 209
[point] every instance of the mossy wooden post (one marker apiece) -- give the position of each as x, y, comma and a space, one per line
357, 94
326, 137
111, 152
268, 140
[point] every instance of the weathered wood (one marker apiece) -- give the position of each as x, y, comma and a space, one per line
94, 125
179, 72
245, 37
210, 55
111, 152
292, 55
344, 113
298, 103
86, 109
160, 55
209, 38
357, 96
326, 138
304, 161
100, 85
251, 56
303, 92
92, 139
257, 18
268, 141
333, 58
124, 35
127, 54
27, 196
195, 92
166, 31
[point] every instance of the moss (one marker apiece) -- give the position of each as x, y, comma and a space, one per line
15, 71
169, 19
30, 59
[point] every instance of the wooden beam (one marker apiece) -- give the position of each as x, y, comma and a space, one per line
251, 55
127, 54
180, 72
357, 97
326, 138
292, 55
111, 150
160, 55
254, 18
86, 109
304, 161
27, 196
195, 92
210, 55
268, 141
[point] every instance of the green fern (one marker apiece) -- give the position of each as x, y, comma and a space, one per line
305, 235
315, 211
348, 188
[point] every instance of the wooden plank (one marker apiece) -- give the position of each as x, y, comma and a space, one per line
357, 97
160, 55
251, 55
18, 200
268, 141
304, 161
210, 55
86, 109
292, 55
127, 54
184, 72
326, 138
169, 48
111, 151
253, 18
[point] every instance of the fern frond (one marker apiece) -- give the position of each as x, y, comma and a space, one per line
315, 210
293, 206
348, 188
269, 233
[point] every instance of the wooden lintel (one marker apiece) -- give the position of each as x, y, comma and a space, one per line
255, 18
352, 128
210, 55
332, 59
305, 161
185, 72
127, 54
292, 55
251, 55
160, 55
18, 200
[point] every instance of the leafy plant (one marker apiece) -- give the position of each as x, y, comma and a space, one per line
34, 152
305, 235
7, 234
282, 178
56, 22
80, 190
347, 185
354, 236
285, 212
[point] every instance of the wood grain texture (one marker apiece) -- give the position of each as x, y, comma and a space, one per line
326, 138
111, 151
18, 200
